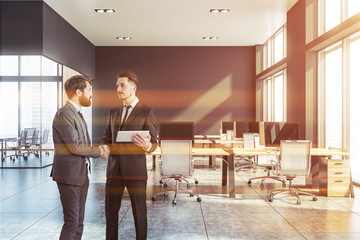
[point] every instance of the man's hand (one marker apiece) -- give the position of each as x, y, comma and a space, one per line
105, 151
141, 141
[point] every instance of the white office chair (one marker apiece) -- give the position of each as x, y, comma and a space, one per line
248, 139
294, 161
268, 162
176, 163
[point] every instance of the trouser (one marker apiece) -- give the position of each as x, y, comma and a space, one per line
114, 193
73, 200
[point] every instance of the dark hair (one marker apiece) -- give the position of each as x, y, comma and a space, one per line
74, 83
129, 74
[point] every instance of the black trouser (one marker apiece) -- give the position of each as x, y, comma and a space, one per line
73, 200
114, 193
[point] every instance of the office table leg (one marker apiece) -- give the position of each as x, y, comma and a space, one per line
154, 162
224, 170
212, 162
231, 176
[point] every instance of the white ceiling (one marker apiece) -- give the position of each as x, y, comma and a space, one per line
174, 22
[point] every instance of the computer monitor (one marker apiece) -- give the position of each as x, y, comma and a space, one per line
176, 131
277, 131
245, 127
226, 126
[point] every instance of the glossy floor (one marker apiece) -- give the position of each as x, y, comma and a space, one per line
30, 209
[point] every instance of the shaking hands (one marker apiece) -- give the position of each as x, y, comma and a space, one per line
104, 151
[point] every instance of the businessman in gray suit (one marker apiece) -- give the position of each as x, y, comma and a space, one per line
72, 152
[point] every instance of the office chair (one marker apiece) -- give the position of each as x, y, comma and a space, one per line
176, 163
268, 162
17, 146
41, 141
31, 138
294, 161
248, 139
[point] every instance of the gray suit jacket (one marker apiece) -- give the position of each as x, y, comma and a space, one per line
72, 147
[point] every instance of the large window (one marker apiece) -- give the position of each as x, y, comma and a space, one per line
8, 109
354, 45
274, 97
339, 99
333, 12
274, 49
30, 94
333, 96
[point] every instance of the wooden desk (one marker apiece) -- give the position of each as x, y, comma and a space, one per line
199, 136
330, 176
202, 141
213, 136
317, 179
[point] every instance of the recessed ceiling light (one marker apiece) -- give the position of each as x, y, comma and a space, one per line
103, 10
210, 38
123, 38
220, 10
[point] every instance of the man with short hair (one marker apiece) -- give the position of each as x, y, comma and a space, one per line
127, 161
72, 152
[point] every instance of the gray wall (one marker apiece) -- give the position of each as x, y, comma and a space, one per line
32, 27
200, 84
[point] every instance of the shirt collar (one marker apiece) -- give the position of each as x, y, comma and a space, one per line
133, 104
77, 107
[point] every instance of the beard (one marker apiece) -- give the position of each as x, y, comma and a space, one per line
85, 102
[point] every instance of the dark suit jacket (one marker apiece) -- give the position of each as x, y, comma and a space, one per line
127, 160
72, 147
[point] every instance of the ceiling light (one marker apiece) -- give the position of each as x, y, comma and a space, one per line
123, 38
218, 10
210, 38
103, 10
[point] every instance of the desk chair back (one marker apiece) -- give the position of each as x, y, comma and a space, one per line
22, 139
45, 137
249, 140
295, 157
31, 136
263, 160
176, 158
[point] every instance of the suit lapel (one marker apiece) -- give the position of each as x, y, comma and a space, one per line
136, 111
117, 119
85, 135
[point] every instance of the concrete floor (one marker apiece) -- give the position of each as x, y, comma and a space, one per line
30, 209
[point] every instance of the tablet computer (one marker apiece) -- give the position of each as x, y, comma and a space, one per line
125, 136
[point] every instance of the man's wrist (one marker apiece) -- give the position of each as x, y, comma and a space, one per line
147, 149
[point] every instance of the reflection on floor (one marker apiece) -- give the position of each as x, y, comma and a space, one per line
30, 209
